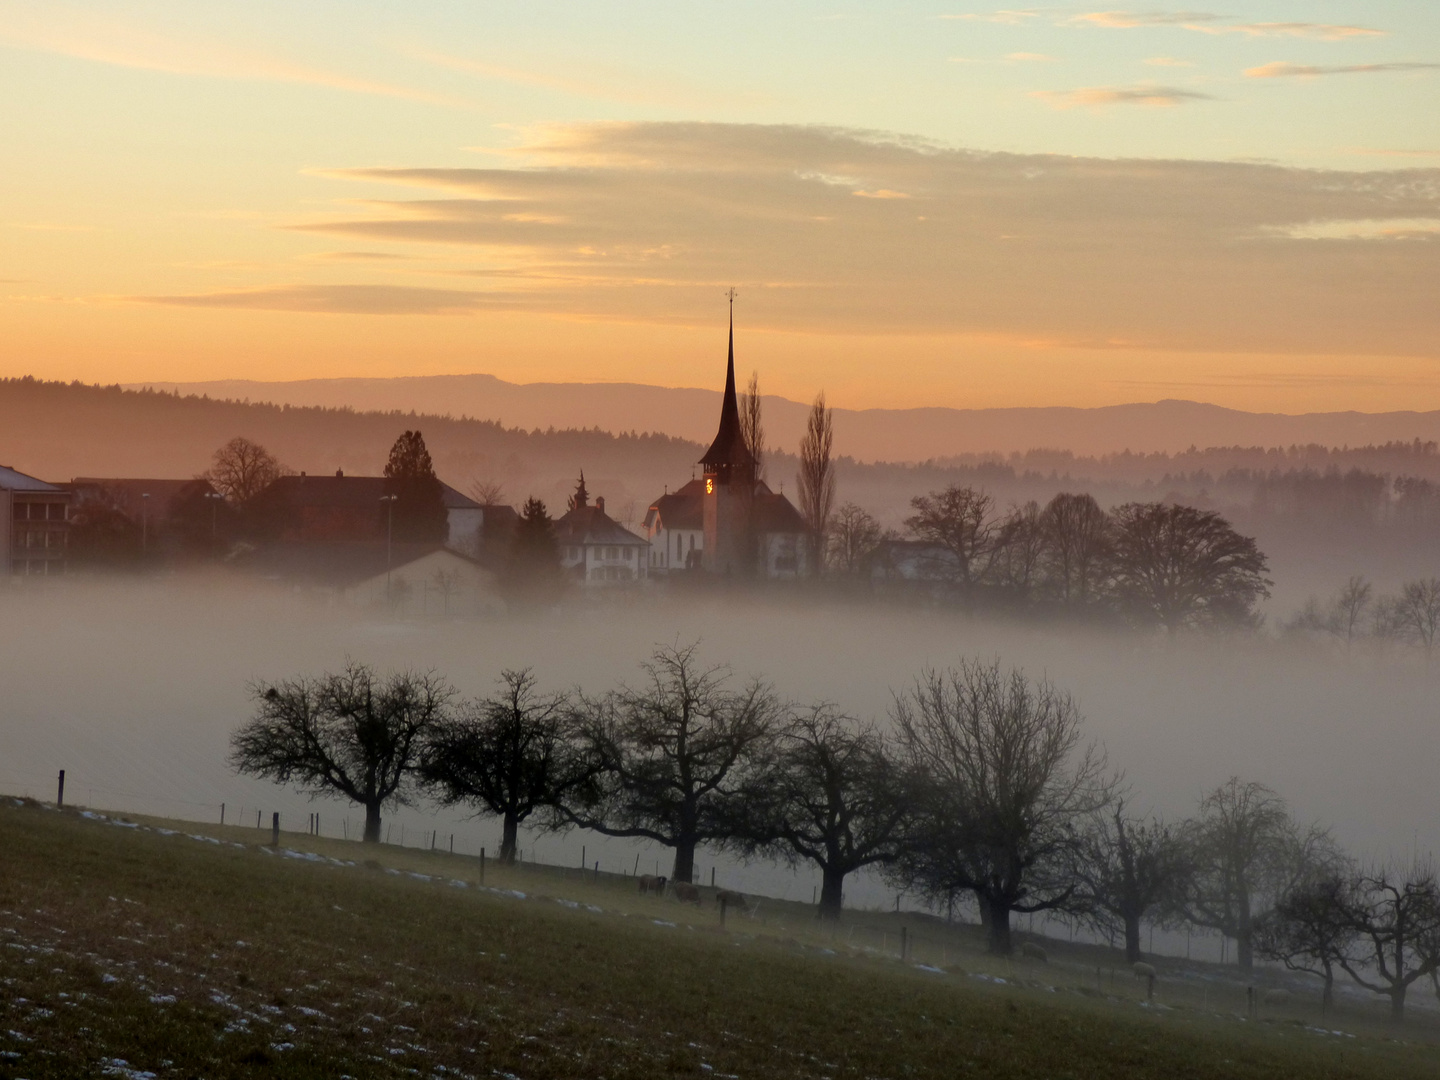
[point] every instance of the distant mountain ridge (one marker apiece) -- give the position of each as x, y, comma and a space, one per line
895, 435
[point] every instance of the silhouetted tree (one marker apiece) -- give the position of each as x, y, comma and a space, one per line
853, 535
1131, 870
1019, 550
419, 510
349, 734
1002, 779
487, 491
680, 757
1244, 851
1343, 616
1183, 567
534, 568
1077, 543
102, 534
242, 469
1310, 930
816, 479
510, 754
1417, 613
1395, 912
962, 520
836, 797
752, 430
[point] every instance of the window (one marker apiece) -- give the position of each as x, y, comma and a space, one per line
57, 511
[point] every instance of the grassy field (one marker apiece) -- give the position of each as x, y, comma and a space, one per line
170, 950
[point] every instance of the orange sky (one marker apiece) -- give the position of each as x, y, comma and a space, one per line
1082, 208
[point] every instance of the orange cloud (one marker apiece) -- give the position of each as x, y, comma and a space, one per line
1100, 96
1280, 69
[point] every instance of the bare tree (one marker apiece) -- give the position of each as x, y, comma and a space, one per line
510, 754
816, 479
962, 520
1185, 567
1417, 613
1077, 540
1310, 930
1245, 851
679, 757
487, 491
1341, 617
241, 469
1020, 549
1395, 911
837, 799
1348, 610
1131, 870
853, 535
1002, 776
751, 428
350, 734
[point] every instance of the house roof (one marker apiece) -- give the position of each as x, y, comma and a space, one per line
348, 491
15, 480
166, 496
591, 525
336, 564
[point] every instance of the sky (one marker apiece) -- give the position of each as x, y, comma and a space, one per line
918, 203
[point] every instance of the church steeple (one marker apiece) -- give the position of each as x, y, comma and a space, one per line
729, 451
581, 498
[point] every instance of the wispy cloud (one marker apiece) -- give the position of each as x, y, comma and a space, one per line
638, 221
881, 193
104, 42
1209, 23
341, 300
1031, 57
355, 256
1100, 96
1007, 18
1281, 70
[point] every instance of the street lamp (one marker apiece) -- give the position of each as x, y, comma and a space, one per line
215, 500
389, 501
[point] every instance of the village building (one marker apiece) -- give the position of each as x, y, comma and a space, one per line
728, 522
597, 550
168, 515
34, 525
336, 508
397, 579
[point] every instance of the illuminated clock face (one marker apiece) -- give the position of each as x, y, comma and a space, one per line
709, 485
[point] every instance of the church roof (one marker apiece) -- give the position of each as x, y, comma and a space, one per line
776, 514
729, 446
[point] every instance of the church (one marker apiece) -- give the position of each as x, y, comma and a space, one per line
728, 522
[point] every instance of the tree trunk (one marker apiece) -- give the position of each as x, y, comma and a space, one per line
509, 839
1132, 939
831, 891
1327, 995
1397, 1004
984, 911
684, 861
372, 823
999, 911
1245, 949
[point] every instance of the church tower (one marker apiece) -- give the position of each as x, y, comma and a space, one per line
729, 483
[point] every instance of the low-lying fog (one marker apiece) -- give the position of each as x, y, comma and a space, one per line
133, 689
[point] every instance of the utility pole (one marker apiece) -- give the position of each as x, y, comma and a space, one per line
215, 499
389, 501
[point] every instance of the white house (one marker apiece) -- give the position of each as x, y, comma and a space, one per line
597, 550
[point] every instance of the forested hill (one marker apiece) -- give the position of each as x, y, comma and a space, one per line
60, 430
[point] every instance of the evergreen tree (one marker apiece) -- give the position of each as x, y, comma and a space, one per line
419, 506
534, 555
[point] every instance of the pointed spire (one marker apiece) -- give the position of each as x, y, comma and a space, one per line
729, 447
581, 498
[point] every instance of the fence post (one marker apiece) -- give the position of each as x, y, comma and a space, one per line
275, 830
597, 871
637, 864
60, 795
452, 843
222, 813
257, 819
712, 877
